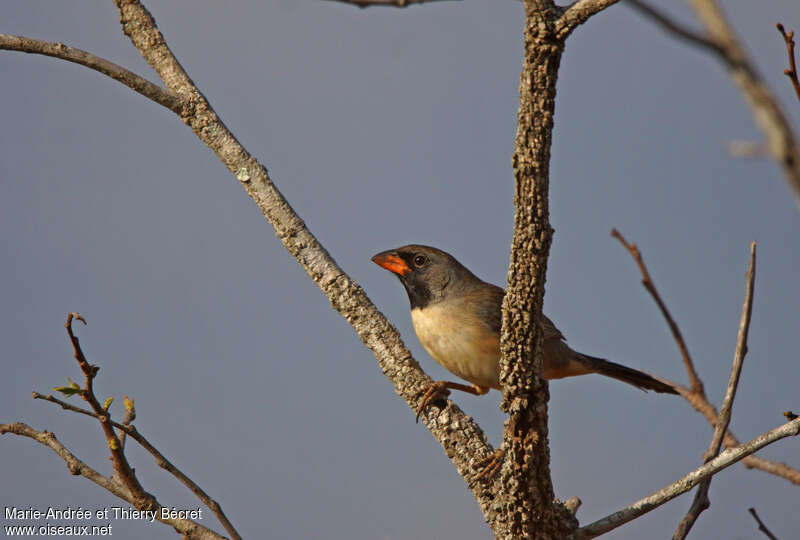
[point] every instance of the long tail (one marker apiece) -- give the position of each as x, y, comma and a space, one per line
639, 379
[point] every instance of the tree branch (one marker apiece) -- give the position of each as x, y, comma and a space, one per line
669, 25
696, 396
701, 501
122, 469
719, 37
580, 12
724, 460
788, 38
385, 3
161, 461
128, 78
188, 528
527, 500
702, 405
460, 437
761, 526
647, 281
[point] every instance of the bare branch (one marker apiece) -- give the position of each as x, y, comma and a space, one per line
696, 396
702, 405
580, 12
669, 25
724, 460
761, 526
647, 281
719, 38
161, 461
701, 502
122, 469
128, 78
792, 71
188, 528
385, 3
460, 437
724, 417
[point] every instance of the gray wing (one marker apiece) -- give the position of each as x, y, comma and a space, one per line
488, 304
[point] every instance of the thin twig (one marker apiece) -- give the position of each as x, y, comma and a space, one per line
578, 13
788, 37
161, 461
701, 501
721, 40
696, 396
384, 3
122, 469
725, 459
701, 405
188, 528
647, 281
58, 50
761, 526
674, 27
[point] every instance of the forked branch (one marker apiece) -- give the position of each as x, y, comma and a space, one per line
701, 501
651, 502
188, 528
697, 397
130, 79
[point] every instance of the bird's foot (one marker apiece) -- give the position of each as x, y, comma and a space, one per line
490, 465
436, 390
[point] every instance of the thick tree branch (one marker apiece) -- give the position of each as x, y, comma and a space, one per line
527, 501
161, 461
701, 501
186, 527
461, 438
788, 38
719, 37
128, 78
724, 460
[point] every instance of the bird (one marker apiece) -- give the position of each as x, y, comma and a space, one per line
457, 319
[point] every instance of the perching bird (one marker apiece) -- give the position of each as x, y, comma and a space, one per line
457, 319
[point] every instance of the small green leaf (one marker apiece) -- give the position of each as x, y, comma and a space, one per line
108, 403
128, 403
68, 390
73, 384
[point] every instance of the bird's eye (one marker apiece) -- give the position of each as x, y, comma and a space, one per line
420, 260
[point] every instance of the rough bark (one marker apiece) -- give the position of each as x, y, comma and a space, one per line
526, 506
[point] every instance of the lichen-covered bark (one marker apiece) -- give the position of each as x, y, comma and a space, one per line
526, 504
460, 437
520, 503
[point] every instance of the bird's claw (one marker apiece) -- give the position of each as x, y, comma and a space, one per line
490, 465
435, 390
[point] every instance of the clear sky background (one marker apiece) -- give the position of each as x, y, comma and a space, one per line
383, 127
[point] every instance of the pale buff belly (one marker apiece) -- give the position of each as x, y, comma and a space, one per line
470, 354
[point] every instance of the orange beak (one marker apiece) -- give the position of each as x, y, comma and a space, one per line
390, 261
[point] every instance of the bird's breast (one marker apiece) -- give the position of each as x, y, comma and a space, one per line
461, 343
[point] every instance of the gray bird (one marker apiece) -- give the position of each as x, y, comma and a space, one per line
456, 317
